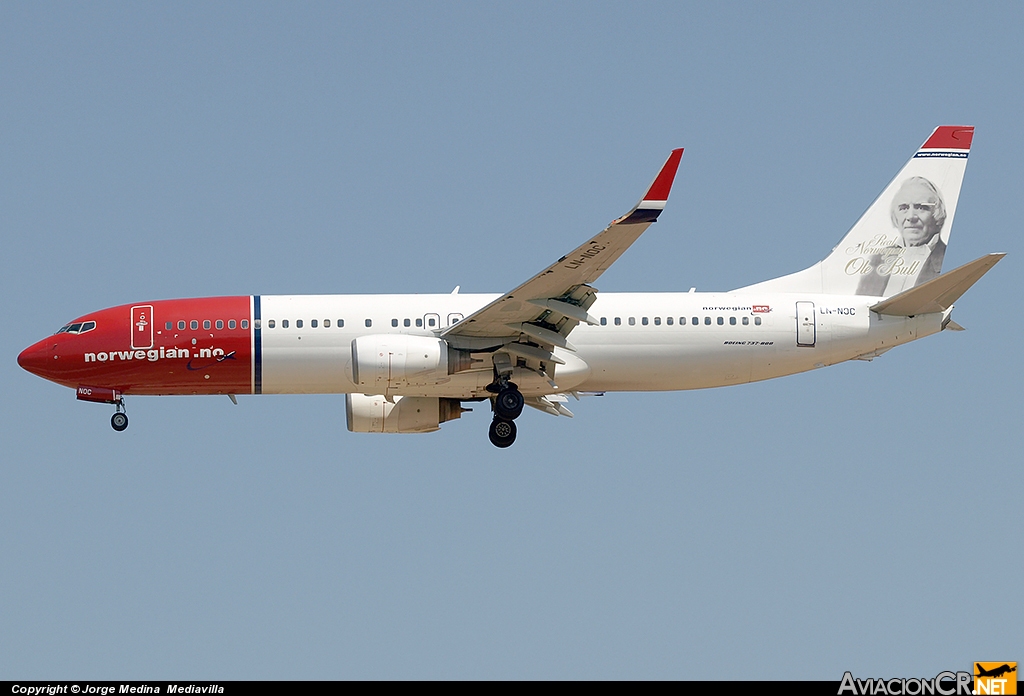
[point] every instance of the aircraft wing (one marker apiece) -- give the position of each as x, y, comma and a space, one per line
549, 305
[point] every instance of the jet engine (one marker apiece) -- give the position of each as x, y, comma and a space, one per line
386, 362
409, 414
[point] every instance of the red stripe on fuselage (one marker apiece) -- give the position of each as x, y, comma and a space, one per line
180, 361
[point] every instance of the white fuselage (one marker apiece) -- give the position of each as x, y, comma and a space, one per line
645, 342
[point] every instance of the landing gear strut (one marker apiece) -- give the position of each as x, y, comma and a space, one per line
119, 421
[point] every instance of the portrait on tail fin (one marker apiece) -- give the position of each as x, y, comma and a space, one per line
900, 241
918, 214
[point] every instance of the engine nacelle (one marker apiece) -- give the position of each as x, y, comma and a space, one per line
386, 362
409, 414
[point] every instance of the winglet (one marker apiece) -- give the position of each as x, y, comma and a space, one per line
653, 202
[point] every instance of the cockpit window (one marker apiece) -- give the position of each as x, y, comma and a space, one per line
78, 328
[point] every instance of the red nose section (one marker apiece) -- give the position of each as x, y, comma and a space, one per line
37, 359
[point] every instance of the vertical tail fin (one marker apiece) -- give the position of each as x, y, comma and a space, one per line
900, 241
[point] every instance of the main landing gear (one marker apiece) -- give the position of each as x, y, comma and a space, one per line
502, 432
507, 405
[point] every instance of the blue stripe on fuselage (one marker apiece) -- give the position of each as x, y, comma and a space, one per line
257, 353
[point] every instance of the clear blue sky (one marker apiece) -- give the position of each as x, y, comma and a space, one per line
855, 518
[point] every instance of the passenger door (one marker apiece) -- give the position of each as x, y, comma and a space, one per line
805, 329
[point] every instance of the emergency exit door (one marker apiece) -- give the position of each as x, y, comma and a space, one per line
805, 331
142, 327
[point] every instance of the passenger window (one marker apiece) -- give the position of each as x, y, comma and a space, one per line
707, 321
668, 320
181, 326
298, 323
757, 321
169, 325
194, 325
732, 321
431, 321
369, 322
245, 324
284, 323
394, 323
657, 321
632, 321
419, 323
406, 323
206, 324
746, 320
618, 321
220, 324
695, 321
341, 323
271, 324
604, 321
327, 323
231, 323
721, 321
644, 321
312, 323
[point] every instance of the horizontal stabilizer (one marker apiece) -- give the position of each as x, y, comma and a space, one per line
938, 294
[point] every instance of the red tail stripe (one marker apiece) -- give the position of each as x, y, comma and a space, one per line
950, 137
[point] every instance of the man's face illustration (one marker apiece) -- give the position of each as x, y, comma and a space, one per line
914, 212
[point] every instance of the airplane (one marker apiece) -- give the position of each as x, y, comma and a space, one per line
995, 672
408, 363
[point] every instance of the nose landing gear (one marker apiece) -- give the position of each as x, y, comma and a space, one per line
105, 395
119, 421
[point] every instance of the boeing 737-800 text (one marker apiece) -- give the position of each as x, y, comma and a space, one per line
407, 363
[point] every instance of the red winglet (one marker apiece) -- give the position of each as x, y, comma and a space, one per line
663, 183
950, 137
